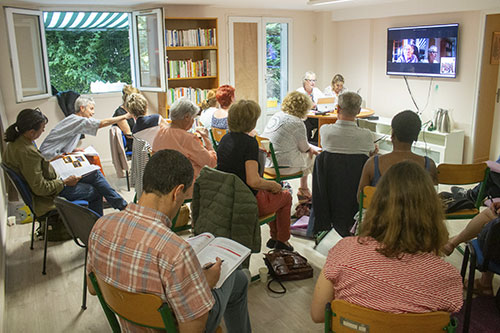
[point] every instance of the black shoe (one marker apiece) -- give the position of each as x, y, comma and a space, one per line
271, 243
282, 246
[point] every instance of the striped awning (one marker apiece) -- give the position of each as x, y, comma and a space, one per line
78, 21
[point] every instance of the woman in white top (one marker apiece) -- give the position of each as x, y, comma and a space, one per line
336, 88
209, 106
287, 133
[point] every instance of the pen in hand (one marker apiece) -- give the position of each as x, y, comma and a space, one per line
209, 265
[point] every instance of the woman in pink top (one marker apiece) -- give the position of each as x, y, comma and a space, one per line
394, 264
176, 136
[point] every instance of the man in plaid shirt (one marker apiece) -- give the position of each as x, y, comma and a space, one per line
136, 251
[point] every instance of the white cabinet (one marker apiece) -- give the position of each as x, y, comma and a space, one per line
441, 147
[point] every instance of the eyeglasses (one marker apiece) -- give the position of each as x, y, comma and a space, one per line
310, 80
435, 52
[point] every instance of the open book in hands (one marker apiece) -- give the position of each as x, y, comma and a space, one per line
73, 165
207, 248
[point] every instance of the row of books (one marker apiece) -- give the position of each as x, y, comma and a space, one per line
196, 95
189, 68
191, 37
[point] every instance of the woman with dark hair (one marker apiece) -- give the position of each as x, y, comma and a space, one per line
405, 129
24, 158
225, 97
394, 265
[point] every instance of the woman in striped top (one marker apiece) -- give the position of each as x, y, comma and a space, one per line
394, 264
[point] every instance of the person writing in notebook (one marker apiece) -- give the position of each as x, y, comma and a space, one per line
138, 243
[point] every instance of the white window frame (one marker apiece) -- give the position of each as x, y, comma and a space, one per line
161, 49
9, 13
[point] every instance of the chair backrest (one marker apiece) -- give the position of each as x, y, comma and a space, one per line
78, 220
463, 174
366, 196
146, 310
218, 133
346, 317
265, 144
21, 186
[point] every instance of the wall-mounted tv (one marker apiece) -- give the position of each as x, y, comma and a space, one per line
428, 50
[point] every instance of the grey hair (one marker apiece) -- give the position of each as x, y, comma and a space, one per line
83, 101
181, 108
308, 73
350, 103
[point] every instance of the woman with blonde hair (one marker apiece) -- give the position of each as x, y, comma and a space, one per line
126, 125
208, 107
394, 265
238, 153
336, 87
287, 133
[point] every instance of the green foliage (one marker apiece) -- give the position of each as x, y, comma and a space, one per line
77, 58
273, 62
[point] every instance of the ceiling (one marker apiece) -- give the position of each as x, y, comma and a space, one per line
343, 10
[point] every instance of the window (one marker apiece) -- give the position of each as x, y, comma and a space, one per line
73, 49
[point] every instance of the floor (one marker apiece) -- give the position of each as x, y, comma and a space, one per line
51, 303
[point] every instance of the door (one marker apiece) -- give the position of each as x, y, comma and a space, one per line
259, 62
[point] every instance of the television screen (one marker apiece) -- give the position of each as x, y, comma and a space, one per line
429, 50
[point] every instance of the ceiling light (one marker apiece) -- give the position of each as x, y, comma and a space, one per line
324, 2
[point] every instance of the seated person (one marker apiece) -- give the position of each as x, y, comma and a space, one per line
238, 153
208, 107
135, 250
405, 129
23, 157
64, 137
225, 97
309, 88
126, 125
408, 56
176, 136
400, 243
484, 285
287, 133
432, 55
344, 136
146, 127
336, 88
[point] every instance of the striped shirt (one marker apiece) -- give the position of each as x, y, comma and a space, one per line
136, 251
415, 283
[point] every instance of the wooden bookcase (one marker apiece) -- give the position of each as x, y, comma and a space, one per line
194, 53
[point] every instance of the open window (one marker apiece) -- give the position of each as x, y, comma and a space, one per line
28, 53
80, 50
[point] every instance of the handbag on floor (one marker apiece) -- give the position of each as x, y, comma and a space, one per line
286, 265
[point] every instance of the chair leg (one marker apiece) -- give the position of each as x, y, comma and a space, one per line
468, 299
128, 181
45, 238
84, 298
33, 232
465, 261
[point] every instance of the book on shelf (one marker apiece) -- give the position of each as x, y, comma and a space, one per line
196, 95
208, 247
73, 165
190, 37
189, 68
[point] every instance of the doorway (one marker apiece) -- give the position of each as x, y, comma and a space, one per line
259, 61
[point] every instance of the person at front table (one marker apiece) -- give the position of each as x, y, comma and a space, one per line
64, 137
336, 88
22, 156
135, 250
309, 88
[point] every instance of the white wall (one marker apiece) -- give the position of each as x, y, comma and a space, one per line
360, 55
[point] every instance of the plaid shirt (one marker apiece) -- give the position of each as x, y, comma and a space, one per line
136, 251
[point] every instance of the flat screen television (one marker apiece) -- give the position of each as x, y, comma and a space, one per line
427, 50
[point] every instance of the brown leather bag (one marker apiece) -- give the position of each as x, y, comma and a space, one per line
286, 265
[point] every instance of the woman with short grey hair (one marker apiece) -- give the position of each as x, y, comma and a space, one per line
176, 136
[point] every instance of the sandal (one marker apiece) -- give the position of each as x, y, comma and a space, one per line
479, 289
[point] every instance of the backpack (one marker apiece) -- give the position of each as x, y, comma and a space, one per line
286, 265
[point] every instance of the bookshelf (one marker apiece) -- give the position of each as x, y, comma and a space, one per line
192, 59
